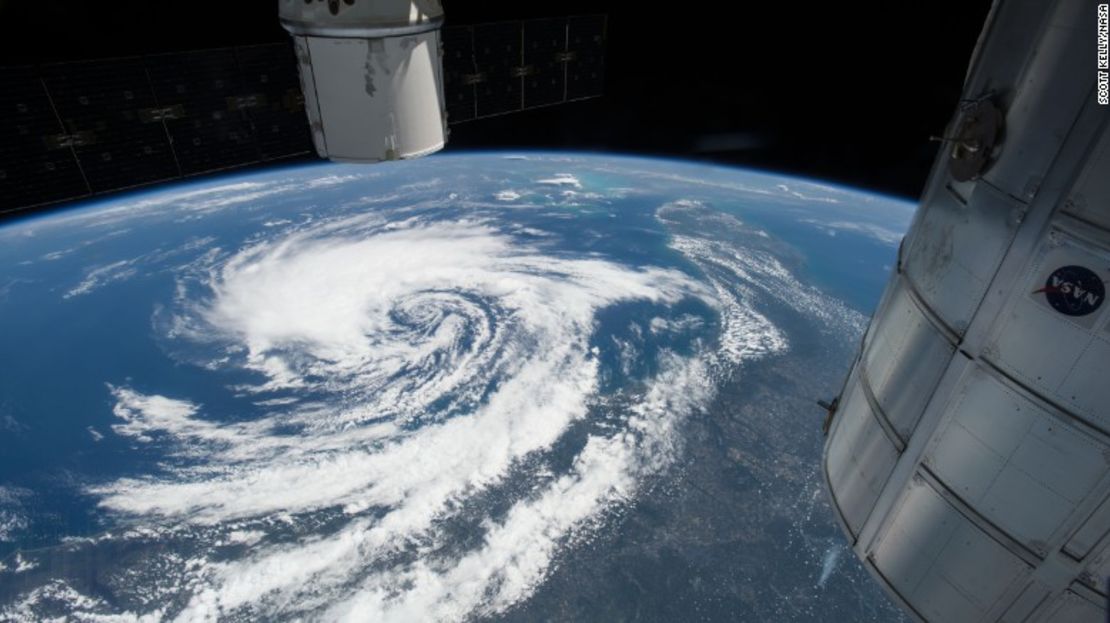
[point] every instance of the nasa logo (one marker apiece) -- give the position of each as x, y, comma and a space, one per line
1074, 290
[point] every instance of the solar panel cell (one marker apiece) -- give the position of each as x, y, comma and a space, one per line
497, 54
545, 75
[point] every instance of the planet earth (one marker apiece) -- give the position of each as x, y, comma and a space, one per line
485, 386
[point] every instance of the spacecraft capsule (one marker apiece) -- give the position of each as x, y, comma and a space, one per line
371, 75
968, 457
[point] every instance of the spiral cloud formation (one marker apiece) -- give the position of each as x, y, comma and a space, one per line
445, 363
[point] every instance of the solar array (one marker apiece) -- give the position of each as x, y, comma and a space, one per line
504, 67
73, 130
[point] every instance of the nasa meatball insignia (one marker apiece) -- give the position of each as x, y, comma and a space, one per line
1074, 290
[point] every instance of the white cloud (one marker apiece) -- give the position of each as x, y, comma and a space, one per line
683, 323
561, 179
806, 197
23, 565
101, 276
13, 518
882, 234
277, 402
143, 415
331, 180
200, 200
57, 594
743, 276
745, 333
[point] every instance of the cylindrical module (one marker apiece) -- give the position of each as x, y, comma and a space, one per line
968, 457
371, 76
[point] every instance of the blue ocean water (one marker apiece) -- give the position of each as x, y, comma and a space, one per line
169, 353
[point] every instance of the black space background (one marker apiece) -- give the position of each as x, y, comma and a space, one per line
847, 91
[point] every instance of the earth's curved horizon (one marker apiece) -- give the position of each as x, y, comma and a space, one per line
498, 385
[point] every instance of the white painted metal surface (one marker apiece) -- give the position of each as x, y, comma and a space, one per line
969, 457
371, 75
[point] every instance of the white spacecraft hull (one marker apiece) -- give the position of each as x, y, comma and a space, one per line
371, 75
968, 458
